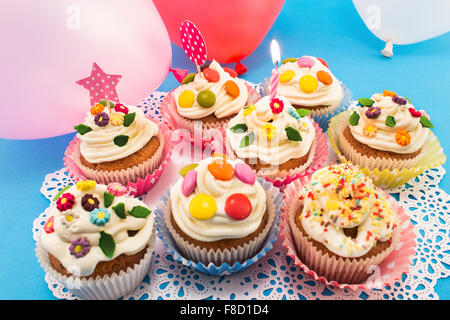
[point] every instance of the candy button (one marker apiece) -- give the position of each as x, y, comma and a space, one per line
231, 72
232, 88
286, 76
308, 83
189, 183
186, 169
202, 206
238, 206
221, 169
244, 173
189, 78
323, 62
186, 99
211, 75
324, 77
289, 60
206, 98
305, 62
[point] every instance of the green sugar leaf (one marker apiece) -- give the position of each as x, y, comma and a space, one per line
366, 102
82, 129
119, 209
107, 244
128, 119
121, 140
103, 102
239, 128
140, 212
354, 119
390, 121
183, 171
108, 199
426, 122
408, 100
293, 134
289, 60
247, 139
61, 192
303, 112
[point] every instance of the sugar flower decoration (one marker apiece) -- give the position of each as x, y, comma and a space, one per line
69, 217
268, 131
116, 119
65, 201
249, 110
97, 109
414, 112
399, 100
276, 105
121, 108
117, 189
101, 119
370, 130
89, 202
373, 112
402, 137
79, 247
86, 185
49, 225
99, 217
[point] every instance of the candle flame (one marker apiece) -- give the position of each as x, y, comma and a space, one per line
275, 52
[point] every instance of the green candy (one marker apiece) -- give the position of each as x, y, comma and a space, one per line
206, 98
186, 169
189, 78
289, 60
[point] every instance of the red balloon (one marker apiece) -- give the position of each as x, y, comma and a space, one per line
232, 29
238, 206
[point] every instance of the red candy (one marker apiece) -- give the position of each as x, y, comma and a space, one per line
231, 72
211, 75
238, 206
414, 112
323, 62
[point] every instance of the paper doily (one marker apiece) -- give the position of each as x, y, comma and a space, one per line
275, 276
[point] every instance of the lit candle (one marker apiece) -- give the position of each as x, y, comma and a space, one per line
276, 57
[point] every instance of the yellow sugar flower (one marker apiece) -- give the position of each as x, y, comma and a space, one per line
370, 130
116, 119
86, 185
268, 131
249, 110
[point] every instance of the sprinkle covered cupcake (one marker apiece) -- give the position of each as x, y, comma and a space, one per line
342, 224
97, 241
219, 213
273, 138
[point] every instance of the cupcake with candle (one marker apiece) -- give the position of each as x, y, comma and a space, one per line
97, 241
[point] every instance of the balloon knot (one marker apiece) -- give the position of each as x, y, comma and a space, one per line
240, 68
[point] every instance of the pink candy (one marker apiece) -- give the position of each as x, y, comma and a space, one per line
189, 183
305, 62
244, 173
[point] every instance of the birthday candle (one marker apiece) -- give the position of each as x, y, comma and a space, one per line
275, 51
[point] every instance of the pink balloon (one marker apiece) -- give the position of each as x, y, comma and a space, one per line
47, 45
232, 29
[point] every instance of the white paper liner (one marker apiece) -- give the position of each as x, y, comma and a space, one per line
107, 288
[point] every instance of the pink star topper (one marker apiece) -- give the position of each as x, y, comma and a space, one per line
100, 85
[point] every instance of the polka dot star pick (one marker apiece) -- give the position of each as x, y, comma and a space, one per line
193, 43
101, 85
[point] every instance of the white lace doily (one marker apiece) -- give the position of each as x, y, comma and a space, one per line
275, 276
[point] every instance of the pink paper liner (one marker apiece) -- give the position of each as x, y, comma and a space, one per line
393, 266
142, 185
175, 121
320, 156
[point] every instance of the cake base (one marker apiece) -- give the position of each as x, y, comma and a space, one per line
288, 165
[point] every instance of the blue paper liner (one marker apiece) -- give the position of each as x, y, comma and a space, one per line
224, 269
324, 120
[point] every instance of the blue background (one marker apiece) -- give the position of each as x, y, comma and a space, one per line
328, 29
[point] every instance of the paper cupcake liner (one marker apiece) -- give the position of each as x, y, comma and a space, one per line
139, 179
250, 252
317, 157
323, 116
432, 155
386, 270
194, 132
106, 288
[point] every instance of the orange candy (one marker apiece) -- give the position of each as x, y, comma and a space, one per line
324, 77
97, 109
232, 88
388, 93
221, 169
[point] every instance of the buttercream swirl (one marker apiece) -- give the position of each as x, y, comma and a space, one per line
98, 145
75, 223
324, 94
271, 143
225, 104
383, 137
220, 226
339, 197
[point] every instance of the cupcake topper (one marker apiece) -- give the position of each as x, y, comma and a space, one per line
100, 85
275, 52
193, 43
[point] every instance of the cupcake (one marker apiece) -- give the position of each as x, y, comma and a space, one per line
273, 138
118, 143
212, 97
219, 213
342, 225
97, 241
384, 132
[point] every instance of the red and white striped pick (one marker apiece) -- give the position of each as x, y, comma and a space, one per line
193, 43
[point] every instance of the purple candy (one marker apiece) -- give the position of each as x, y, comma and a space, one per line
306, 62
189, 183
244, 173
399, 100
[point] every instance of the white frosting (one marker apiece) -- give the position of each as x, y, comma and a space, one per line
330, 205
225, 104
220, 226
328, 95
277, 149
98, 146
384, 139
58, 242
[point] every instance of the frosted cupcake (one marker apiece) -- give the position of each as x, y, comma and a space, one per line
219, 213
97, 241
384, 132
343, 226
272, 137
